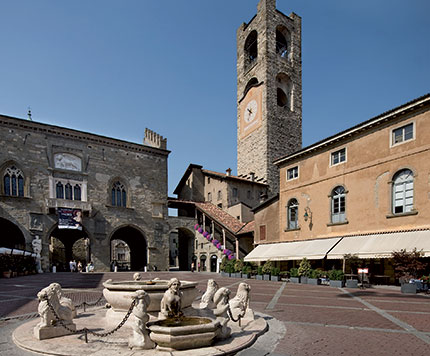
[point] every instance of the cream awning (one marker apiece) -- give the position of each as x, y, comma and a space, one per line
382, 245
284, 251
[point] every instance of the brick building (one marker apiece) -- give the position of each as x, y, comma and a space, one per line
76, 188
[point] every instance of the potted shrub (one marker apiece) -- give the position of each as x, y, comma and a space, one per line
407, 267
259, 275
237, 265
294, 275
246, 271
274, 274
267, 268
304, 270
223, 267
336, 278
314, 277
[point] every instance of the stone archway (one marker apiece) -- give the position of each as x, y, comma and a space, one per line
185, 248
67, 245
11, 235
133, 245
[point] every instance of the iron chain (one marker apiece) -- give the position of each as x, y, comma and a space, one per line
86, 330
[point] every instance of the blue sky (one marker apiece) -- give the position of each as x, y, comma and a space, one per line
115, 67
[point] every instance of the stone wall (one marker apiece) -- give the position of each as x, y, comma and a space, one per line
37, 149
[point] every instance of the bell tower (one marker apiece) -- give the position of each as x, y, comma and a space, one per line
269, 92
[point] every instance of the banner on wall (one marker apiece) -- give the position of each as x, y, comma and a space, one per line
69, 218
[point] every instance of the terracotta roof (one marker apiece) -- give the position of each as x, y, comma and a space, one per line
220, 216
248, 227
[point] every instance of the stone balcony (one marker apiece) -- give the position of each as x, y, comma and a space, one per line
53, 203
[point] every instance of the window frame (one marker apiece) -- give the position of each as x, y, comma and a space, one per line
402, 127
16, 185
295, 171
333, 153
396, 182
340, 216
123, 195
292, 205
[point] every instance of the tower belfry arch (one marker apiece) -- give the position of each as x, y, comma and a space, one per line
269, 92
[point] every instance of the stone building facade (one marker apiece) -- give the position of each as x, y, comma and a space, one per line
364, 191
269, 92
115, 190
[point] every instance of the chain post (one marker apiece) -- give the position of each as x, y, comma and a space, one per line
86, 335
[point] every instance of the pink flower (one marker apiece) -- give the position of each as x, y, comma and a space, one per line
196, 226
218, 245
205, 233
200, 230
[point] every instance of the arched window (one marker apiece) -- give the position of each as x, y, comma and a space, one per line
403, 191
69, 193
59, 188
284, 91
251, 49
338, 205
77, 192
282, 38
293, 212
13, 182
119, 194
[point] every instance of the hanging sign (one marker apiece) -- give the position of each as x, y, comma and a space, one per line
69, 218
363, 270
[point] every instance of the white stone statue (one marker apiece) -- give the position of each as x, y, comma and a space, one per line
221, 298
170, 306
207, 300
49, 326
64, 301
137, 276
140, 339
239, 305
37, 249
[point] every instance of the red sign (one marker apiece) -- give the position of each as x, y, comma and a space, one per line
363, 270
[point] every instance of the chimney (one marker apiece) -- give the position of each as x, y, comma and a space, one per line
228, 172
153, 139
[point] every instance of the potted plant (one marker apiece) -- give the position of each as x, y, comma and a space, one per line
237, 265
336, 278
314, 277
274, 274
267, 268
246, 270
304, 270
223, 267
407, 267
259, 275
294, 275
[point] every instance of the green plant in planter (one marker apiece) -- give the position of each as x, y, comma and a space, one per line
304, 267
275, 271
238, 265
335, 275
315, 273
294, 272
267, 267
223, 264
260, 270
246, 269
407, 265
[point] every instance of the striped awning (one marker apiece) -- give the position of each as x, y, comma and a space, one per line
284, 251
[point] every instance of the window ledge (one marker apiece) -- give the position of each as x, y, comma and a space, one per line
119, 207
288, 230
14, 197
338, 223
409, 213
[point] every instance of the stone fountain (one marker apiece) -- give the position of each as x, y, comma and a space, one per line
162, 318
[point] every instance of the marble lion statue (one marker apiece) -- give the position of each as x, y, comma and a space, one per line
239, 304
207, 300
51, 294
171, 303
221, 298
64, 301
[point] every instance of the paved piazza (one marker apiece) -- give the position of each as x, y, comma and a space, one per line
303, 320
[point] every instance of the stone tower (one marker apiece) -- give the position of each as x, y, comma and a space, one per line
269, 92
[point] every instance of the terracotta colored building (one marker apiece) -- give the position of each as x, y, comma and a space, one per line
363, 191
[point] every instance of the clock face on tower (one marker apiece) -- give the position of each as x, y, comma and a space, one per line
250, 112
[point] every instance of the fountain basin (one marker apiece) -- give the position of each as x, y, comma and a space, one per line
190, 332
120, 294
